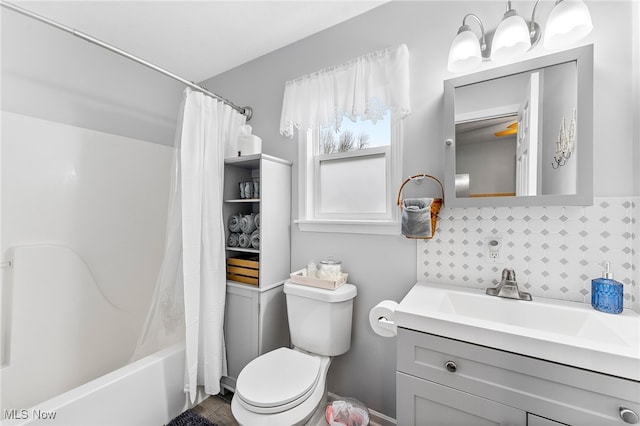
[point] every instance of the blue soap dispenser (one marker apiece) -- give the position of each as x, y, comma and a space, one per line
606, 293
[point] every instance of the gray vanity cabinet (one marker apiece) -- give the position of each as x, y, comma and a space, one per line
533, 420
442, 381
424, 402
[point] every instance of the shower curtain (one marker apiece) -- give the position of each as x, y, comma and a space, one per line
189, 298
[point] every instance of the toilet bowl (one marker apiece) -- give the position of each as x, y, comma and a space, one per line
282, 387
286, 387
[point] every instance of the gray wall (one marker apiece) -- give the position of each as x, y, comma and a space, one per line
384, 267
490, 163
635, 93
52, 75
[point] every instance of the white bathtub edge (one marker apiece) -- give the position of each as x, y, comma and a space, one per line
146, 392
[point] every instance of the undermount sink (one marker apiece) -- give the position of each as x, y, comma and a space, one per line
566, 332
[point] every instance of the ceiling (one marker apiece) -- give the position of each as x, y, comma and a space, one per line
199, 39
484, 130
50, 74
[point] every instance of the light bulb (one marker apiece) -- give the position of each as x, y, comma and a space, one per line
464, 53
568, 22
511, 38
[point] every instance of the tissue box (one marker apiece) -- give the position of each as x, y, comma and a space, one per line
249, 144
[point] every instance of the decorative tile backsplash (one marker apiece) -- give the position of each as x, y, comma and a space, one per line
555, 251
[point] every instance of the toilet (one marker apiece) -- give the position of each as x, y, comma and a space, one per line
288, 386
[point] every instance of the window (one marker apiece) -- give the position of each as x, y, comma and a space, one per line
347, 183
348, 177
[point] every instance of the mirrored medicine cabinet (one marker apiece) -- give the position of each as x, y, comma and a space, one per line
521, 134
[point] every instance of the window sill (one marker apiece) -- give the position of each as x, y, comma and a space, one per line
373, 227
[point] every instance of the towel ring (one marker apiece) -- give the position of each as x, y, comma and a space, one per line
435, 205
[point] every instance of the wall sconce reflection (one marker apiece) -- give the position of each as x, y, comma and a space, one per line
566, 142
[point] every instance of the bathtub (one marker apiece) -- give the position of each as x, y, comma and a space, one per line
66, 350
146, 392
83, 229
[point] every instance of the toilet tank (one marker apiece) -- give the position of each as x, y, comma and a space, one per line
320, 319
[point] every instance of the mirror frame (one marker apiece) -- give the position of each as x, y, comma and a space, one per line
583, 56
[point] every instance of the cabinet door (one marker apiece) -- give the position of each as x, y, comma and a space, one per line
421, 402
240, 330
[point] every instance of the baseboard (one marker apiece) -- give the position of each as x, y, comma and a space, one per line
375, 418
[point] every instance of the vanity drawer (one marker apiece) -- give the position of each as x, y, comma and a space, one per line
566, 394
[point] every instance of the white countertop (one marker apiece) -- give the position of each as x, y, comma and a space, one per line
569, 333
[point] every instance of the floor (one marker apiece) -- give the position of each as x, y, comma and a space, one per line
217, 409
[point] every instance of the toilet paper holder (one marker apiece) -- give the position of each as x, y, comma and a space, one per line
382, 319
385, 323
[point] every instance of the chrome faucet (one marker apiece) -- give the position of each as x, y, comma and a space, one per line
508, 287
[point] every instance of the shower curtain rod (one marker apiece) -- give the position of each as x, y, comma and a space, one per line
247, 111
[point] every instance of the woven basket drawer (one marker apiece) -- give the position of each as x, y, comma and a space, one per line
244, 269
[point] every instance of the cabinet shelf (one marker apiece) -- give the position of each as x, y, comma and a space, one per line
244, 250
243, 200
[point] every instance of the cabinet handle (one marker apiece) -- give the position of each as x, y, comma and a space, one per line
629, 416
452, 367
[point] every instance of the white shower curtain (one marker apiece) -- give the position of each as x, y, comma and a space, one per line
194, 263
164, 324
208, 126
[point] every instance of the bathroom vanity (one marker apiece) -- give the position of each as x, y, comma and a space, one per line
468, 358
465, 357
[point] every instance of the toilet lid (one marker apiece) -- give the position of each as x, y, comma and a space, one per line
278, 380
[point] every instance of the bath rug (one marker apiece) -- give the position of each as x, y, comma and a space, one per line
190, 418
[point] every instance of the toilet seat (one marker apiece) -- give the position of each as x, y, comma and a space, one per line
278, 381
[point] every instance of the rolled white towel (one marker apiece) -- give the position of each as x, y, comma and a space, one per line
248, 223
244, 240
256, 219
233, 240
234, 222
255, 239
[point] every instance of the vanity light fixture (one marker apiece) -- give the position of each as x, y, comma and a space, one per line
466, 51
568, 22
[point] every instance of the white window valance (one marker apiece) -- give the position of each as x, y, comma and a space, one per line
363, 88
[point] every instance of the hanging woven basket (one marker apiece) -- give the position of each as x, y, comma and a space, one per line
436, 205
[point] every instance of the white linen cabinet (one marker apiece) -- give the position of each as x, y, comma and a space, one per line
255, 311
